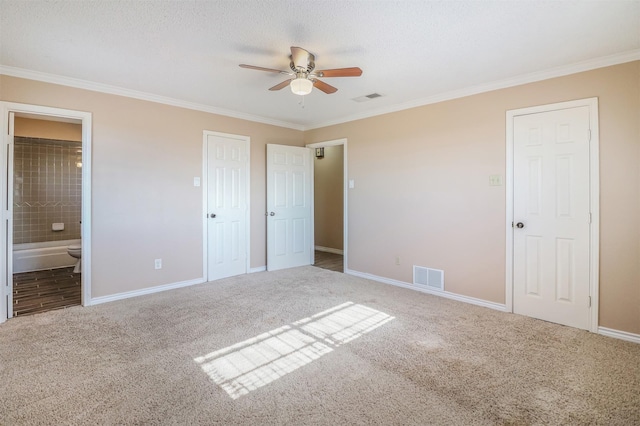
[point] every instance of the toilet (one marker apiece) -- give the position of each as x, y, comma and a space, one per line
75, 250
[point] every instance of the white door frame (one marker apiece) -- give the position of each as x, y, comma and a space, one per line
43, 112
594, 188
205, 222
345, 187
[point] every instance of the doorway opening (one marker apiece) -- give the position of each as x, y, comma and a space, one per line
46, 209
330, 204
47, 200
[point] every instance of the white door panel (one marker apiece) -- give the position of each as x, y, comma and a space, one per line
551, 202
289, 207
227, 206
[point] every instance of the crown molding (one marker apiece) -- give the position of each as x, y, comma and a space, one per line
119, 91
591, 64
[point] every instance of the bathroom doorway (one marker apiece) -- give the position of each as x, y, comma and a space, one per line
46, 197
330, 204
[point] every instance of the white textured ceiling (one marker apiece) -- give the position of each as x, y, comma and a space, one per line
409, 51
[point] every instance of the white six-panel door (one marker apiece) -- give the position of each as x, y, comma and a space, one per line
551, 248
227, 205
289, 207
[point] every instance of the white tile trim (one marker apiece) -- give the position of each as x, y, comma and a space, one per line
617, 334
142, 292
445, 294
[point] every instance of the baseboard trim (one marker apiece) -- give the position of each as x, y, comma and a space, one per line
145, 291
329, 250
617, 334
258, 269
445, 294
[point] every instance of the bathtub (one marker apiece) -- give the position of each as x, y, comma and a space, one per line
38, 256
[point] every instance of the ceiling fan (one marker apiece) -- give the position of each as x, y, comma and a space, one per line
304, 78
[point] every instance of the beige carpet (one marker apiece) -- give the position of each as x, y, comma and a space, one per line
309, 346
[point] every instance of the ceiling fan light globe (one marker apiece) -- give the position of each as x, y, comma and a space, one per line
301, 86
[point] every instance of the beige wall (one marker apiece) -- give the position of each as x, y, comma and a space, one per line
328, 197
145, 156
47, 129
422, 188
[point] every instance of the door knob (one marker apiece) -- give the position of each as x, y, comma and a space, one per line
212, 215
272, 214
520, 225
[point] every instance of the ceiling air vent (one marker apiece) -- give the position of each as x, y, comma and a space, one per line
368, 97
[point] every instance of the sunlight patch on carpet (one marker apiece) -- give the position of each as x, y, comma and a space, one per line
256, 362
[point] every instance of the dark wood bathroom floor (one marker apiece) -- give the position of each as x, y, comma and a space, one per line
330, 261
41, 291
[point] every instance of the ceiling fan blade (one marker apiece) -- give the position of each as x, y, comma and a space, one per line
281, 85
340, 72
252, 67
326, 88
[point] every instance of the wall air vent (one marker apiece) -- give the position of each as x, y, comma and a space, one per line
432, 279
368, 97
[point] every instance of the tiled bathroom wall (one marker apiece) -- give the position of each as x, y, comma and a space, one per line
47, 189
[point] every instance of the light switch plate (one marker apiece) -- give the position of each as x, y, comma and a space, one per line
196, 181
352, 183
495, 180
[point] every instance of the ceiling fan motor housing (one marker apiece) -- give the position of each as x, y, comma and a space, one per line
305, 65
